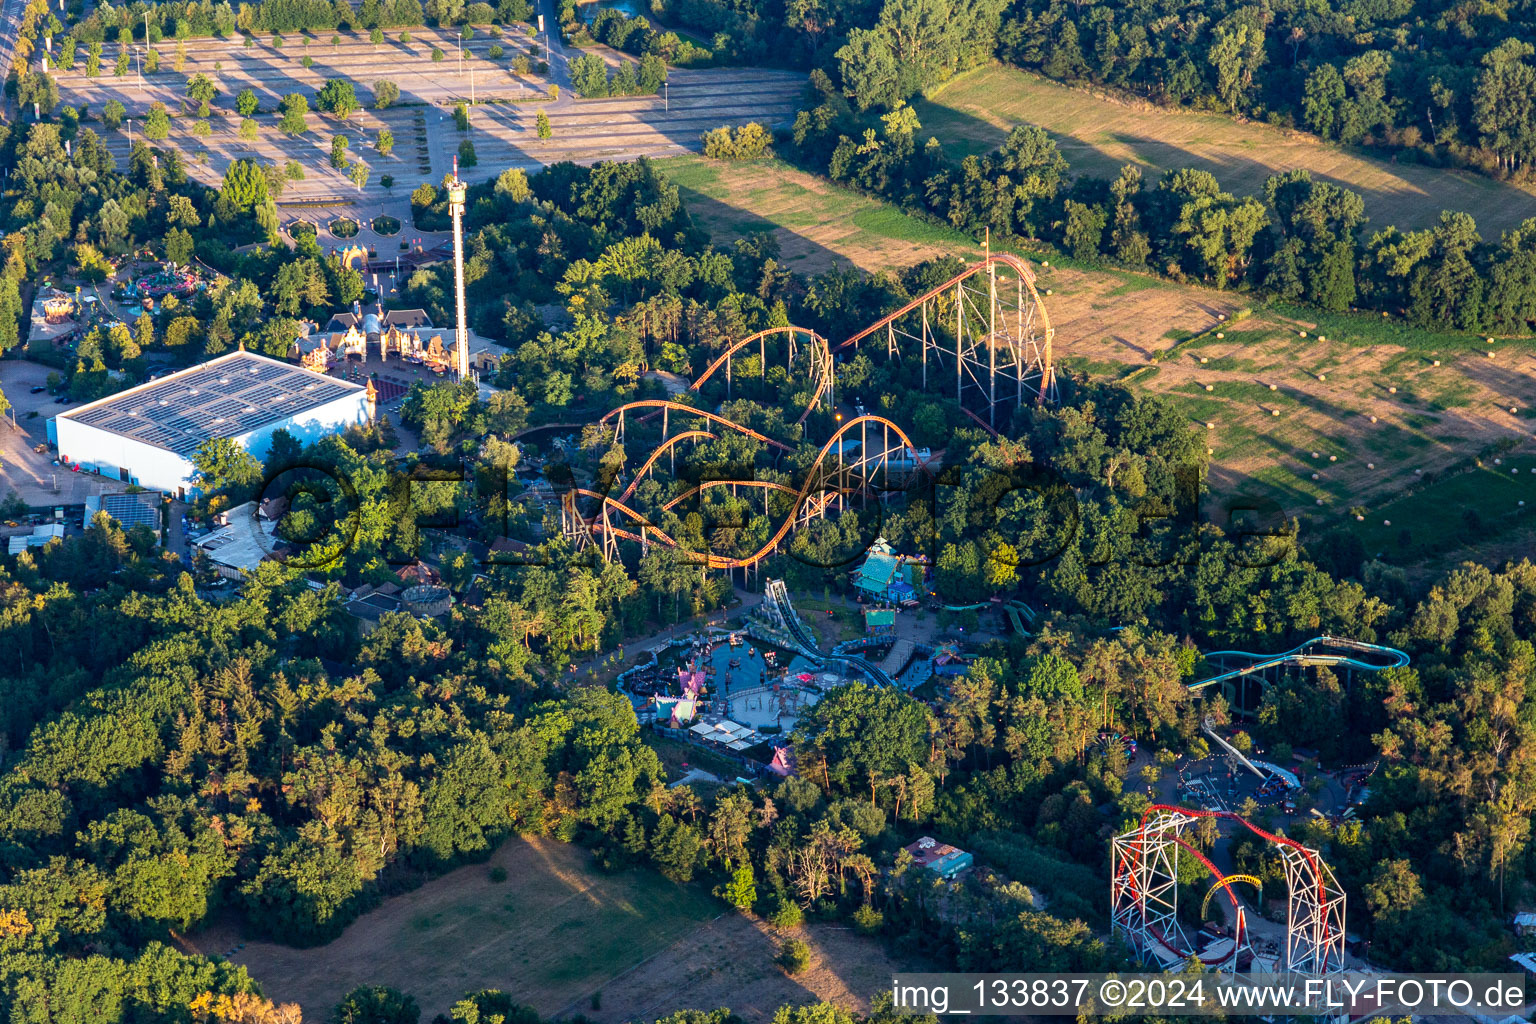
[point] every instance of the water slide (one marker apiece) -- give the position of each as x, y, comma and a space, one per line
1329, 651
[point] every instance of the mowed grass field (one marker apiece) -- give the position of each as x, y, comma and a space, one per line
552, 932
1099, 134
565, 938
818, 224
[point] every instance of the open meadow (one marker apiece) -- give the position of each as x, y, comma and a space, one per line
564, 938
1099, 134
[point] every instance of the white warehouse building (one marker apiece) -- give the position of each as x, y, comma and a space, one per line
148, 434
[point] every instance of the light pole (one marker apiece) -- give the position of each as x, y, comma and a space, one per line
666, 92
128, 124
139, 64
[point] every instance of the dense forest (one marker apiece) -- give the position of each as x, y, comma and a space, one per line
174, 756
1439, 83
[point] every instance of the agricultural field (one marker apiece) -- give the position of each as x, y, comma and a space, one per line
1098, 134
564, 939
1154, 334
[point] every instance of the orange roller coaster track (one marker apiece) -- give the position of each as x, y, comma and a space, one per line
820, 351
617, 415
769, 485
998, 345
661, 449
816, 482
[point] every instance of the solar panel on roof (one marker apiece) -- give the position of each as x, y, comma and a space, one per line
239, 395
130, 510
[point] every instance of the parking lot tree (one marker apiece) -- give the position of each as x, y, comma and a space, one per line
386, 142
339, 159
337, 97
93, 60
201, 90
67, 54
151, 60
541, 125
589, 76
376, 37
201, 128
112, 114
246, 102
120, 68
359, 175
180, 63
294, 106
461, 116
249, 129
467, 157
385, 94
157, 123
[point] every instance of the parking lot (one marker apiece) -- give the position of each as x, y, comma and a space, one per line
29, 473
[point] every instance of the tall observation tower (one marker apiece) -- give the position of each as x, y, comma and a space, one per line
456, 191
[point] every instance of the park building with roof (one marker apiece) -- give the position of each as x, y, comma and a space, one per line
149, 434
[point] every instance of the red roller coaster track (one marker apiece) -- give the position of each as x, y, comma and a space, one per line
1144, 879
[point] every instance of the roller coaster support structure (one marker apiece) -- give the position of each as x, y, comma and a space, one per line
994, 334
1144, 896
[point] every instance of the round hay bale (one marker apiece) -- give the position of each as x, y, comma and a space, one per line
1333, 458
1370, 465
1210, 387
1274, 412
1274, 387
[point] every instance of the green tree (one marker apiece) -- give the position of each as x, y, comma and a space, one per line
541, 126
224, 466
157, 123
385, 94
294, 107
337, 97
201, 90
386, 142
245, 102
376, 1004
339, 159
